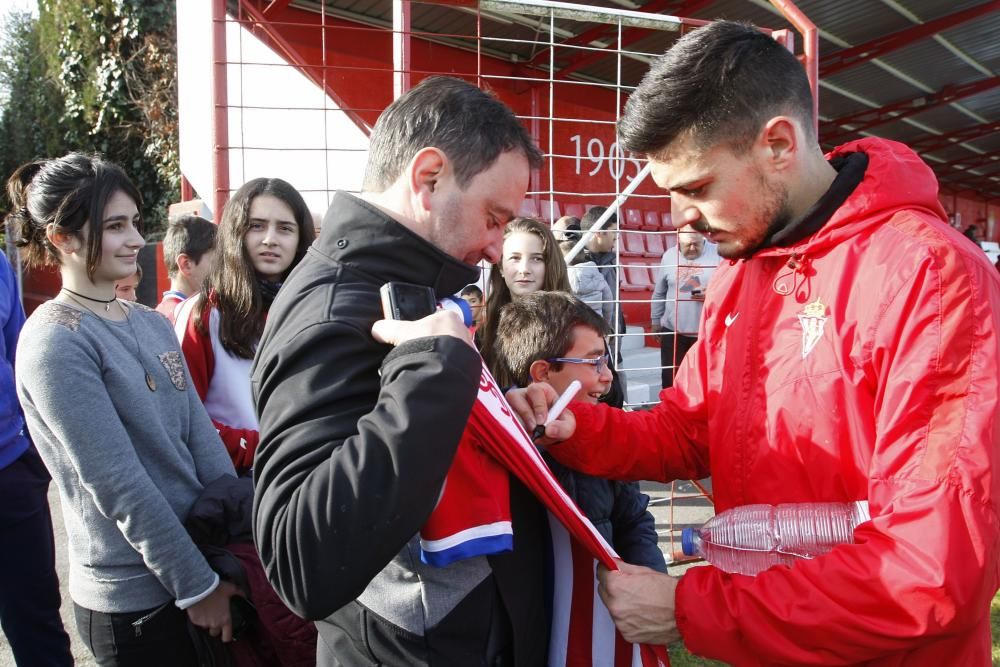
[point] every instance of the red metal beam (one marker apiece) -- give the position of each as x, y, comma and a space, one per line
187, 191
939, 141
965, 177
275, 6
869, 118
810, 49
880, 46
971, 162
584, 58
981, 186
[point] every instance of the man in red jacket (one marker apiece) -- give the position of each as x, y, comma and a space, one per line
848, 351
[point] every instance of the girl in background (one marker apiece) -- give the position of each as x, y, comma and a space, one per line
113, 414
265, 231
531, 261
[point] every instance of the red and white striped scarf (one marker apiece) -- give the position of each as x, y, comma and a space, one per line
582, 630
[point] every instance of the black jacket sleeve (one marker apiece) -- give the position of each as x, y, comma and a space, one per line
635, 528
352, 457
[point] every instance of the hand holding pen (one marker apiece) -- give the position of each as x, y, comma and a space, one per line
557, 409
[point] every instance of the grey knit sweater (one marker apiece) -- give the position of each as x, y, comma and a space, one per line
128, 462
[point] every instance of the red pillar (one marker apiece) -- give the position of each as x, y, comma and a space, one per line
220, 114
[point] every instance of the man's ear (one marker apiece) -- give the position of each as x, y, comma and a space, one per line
66, 242
424, 176
539, 371
184, 264
779, 140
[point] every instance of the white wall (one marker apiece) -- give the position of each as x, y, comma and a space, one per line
280, 123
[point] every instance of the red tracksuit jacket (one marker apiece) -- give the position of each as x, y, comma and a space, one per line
868, 369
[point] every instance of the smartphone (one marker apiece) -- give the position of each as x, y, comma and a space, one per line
406, 301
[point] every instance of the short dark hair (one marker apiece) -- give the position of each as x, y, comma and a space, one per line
472, 290
720, 83
539, 326
66, 192
591, 216
472, 127
190, 235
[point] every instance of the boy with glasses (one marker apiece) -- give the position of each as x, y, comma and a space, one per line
556, 338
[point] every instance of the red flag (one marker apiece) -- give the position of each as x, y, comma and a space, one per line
582, 630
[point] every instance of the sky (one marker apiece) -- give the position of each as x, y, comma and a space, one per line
7, 5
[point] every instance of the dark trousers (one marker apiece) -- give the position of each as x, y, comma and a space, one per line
673, 347
29, 586
155, 637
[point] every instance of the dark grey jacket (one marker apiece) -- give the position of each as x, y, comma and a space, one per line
618, 511
356, 438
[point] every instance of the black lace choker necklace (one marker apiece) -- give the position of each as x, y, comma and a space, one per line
107, 304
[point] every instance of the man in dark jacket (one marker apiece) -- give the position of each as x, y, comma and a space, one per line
357, 436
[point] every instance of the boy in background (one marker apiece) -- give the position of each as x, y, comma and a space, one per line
126, 287
556, 338
189, 254
474, 297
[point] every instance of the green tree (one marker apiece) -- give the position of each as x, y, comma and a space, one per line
107, 75
30, 102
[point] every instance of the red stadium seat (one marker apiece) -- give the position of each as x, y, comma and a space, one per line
632, 218
548, 209
575, 210
653, 220
529, 208
655, 246
631, 244
636, 278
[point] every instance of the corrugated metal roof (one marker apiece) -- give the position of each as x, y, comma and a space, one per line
918, 69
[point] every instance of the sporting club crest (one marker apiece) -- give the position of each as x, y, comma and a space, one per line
813, 320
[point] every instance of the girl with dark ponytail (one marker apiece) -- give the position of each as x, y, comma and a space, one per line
111, 409
264, 233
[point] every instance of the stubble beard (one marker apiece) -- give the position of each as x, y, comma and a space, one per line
446, 232
775, 216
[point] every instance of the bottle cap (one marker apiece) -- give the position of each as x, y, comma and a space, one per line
688, 538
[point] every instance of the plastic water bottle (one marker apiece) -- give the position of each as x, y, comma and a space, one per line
753, 538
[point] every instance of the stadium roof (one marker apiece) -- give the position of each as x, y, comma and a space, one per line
923, 72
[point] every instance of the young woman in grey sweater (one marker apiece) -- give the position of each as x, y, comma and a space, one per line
113, 413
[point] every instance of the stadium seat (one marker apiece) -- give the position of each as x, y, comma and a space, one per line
632, 218
655, 246
636, 278
548, 209
529, 208
632, 244
575, 210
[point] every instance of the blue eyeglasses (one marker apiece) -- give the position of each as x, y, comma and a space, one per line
599, 364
